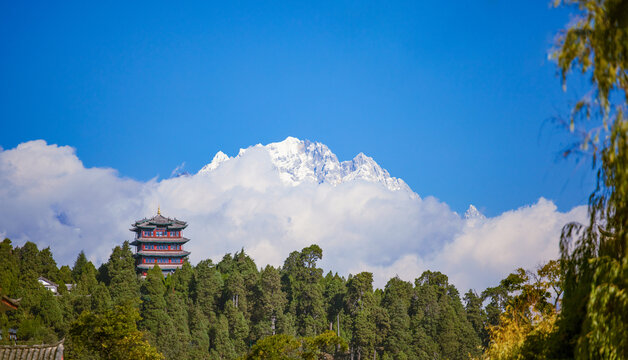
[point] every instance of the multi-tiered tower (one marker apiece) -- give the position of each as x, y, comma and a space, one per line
158, 241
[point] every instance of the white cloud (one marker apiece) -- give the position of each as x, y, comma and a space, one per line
486, 250
50, 198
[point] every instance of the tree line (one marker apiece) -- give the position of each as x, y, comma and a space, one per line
234, 309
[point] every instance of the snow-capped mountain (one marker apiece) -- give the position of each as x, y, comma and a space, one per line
299, 161
473, 213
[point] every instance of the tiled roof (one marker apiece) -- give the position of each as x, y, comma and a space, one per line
6, 303
35, 352
161, 253
41, 278
180, 240
159, 220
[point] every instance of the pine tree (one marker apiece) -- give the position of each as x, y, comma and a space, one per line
155, 319
177, 311
360, 304
206, 288
302, 281
79, 266
199, 334
270, 303
121, 276
397, 299
334, 290
9, 268
48, 266
238, 328
476, 315
221, 344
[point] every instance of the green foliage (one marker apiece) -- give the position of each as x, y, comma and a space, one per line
593, 256
280, 347
111, 335
9, 268
120, 276
231, 309
439, 321
159, 325
596, 42
270, 303
206, 288
529, 316
302, 281
397, 299
285, 347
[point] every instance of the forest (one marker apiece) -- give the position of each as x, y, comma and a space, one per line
223, 310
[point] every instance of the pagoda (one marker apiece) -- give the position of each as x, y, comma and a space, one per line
158, 241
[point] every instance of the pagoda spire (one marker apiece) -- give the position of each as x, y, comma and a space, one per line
158, 210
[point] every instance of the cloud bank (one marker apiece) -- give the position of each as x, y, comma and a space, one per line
49, 197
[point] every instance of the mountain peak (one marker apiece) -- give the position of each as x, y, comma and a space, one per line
218, 159
299, 161
473, 213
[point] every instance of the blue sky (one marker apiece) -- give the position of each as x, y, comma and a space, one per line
454, 98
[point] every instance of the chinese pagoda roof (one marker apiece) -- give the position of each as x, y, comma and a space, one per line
159, 220
173, 240
6, 303
167, 253
35, 352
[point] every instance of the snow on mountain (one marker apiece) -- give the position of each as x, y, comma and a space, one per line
299, 161
218, 159
473, 213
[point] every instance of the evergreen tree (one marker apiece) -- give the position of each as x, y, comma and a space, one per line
80, 266
397, 299
334, 290
206, 288
270, 303
121, 277
30, 262
155, 319
48, 266
238, 328
9, 268
65, 275
302, 280
177, 311
441, 325
221, 344
360, 304
181, 280
199, 334
476, 315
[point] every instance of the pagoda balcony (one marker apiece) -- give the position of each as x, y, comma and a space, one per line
165, 253
161, 266
161, 239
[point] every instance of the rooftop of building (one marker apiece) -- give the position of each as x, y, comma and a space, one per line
170, 253
34, 352
160, 240
158, 221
